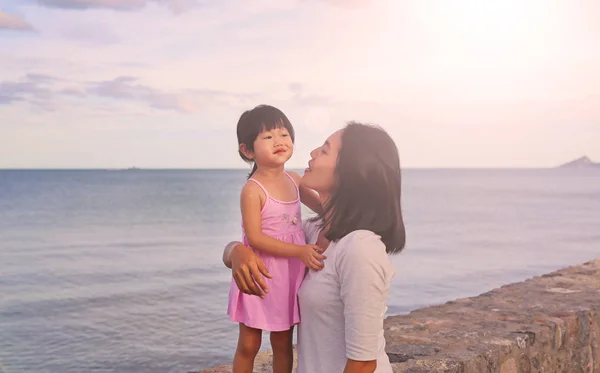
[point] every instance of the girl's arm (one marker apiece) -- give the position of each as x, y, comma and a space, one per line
252, 220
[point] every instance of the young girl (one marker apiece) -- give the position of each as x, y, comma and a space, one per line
272, 226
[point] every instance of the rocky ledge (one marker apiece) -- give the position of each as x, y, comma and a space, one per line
549, 323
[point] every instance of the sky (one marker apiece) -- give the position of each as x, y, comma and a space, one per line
162, 83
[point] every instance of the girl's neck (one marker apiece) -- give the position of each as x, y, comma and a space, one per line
270, 172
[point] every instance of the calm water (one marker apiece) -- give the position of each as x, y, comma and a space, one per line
119, 271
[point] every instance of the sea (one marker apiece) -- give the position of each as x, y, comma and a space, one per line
110, 271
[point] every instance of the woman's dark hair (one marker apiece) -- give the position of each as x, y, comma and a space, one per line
253, 122
367, 188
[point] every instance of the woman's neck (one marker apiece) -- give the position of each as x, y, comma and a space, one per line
323, 197
322, 240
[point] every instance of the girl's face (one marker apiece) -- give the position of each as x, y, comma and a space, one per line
320, 174
272, 148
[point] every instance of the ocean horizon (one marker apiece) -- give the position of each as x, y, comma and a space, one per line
137, 168
121, 271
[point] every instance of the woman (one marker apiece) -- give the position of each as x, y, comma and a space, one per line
356, 173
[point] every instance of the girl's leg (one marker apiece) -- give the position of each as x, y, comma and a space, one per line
283, 351
248, 345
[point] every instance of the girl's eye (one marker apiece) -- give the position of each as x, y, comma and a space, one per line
267, 137
285, 135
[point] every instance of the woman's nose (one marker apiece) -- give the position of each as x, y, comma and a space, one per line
313, 152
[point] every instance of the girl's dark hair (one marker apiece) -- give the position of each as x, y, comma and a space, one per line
253, 122
367, 189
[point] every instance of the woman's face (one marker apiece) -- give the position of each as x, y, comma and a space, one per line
320, 174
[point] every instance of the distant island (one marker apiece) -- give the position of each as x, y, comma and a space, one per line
583, 162
121, 169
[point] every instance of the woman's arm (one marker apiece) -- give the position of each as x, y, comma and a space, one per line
365, 273
252, 220
354, 366
227, 252
247, 269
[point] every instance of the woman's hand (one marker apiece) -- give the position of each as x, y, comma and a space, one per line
248, 270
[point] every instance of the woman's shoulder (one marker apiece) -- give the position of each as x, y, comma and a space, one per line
362, 246
359, 238
362, 253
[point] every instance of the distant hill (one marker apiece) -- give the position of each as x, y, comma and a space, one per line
583, 162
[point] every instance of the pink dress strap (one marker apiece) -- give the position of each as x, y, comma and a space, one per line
267, 195
261, 186
293, 181
265, 189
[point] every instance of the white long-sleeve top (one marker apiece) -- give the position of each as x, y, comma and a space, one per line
342, 307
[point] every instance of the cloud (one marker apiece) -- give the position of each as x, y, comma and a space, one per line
177, 6
33, 88
90, 34
299, 97
45, 92
128, 88
13, 22
346, 3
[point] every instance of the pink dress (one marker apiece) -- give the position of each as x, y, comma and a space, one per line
278, 311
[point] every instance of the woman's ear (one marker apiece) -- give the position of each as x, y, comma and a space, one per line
245, 152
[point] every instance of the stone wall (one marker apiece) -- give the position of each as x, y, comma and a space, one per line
546, 324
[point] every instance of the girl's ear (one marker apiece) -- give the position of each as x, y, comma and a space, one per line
247, 153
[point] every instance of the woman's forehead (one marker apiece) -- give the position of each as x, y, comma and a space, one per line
335, 140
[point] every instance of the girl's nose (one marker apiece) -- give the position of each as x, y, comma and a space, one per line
312, 153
